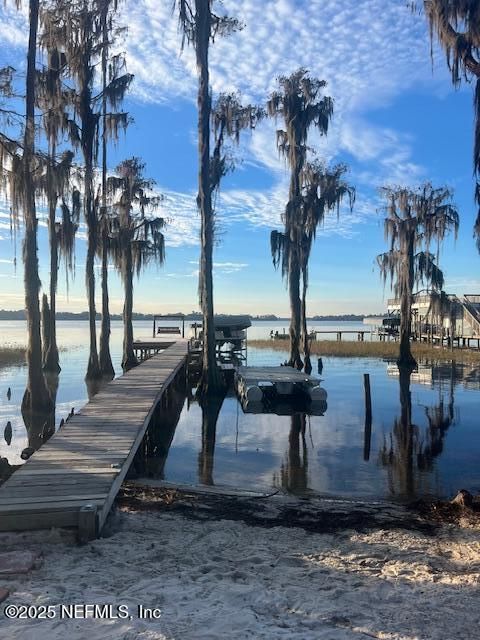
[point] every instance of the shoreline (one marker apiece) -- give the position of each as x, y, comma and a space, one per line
366, 349
212, 576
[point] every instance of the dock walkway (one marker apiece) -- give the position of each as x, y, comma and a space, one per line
74, 478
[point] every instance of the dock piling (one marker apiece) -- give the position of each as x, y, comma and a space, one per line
87, 523
368, 417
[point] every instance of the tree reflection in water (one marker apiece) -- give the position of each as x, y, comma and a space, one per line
40, 425
294, 470
210, 406
411, 450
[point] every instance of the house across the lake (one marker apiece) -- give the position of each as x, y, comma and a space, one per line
438, 317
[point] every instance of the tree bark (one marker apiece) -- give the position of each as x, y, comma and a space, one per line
210, 379
89, 124
45, 321
297, 158
93, 368
36, 397
295, 309
51, 360
306, 341
129, 360
106, 365
406, 358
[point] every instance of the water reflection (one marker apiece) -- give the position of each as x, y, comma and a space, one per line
40, 425
210, 411
152, 454
94, 386
294, 470
411, 450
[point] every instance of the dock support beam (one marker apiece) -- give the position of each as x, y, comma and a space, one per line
87, 523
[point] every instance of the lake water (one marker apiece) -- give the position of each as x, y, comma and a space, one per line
329, 454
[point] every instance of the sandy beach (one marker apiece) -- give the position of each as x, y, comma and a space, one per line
215, 578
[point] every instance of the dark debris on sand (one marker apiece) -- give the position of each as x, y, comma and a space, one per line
313, 514
463, 509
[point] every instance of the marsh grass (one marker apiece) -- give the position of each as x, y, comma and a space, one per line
12, 355
374, 350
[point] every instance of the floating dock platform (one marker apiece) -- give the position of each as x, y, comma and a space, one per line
254, 384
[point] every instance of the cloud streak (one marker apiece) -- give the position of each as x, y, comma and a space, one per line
369, 51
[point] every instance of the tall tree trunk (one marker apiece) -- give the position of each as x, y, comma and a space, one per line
129, 360
406, 358
210, 381
36, 397
93, 368
295, 308
106, 365
306, 341
51, 358
294, 269
45, 320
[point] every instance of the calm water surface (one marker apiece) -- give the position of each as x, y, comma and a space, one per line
329, 454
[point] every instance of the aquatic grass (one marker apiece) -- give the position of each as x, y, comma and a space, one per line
378, 349
12, 355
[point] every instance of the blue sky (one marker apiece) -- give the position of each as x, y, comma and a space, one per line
396, 121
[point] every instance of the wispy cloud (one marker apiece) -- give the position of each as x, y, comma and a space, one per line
369, 51
219, 268
463, 285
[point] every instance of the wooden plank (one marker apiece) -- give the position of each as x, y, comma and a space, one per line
64, 480
88, 458
53, 499
54, 490
39, 520
73, 470
45, 506
119, 479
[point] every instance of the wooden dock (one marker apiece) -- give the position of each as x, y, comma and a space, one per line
360, 333
145, 348
74, 478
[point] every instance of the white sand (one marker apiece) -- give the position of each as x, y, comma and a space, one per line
223, 579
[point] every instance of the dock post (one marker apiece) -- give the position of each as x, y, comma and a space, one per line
368, 417
87, 523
